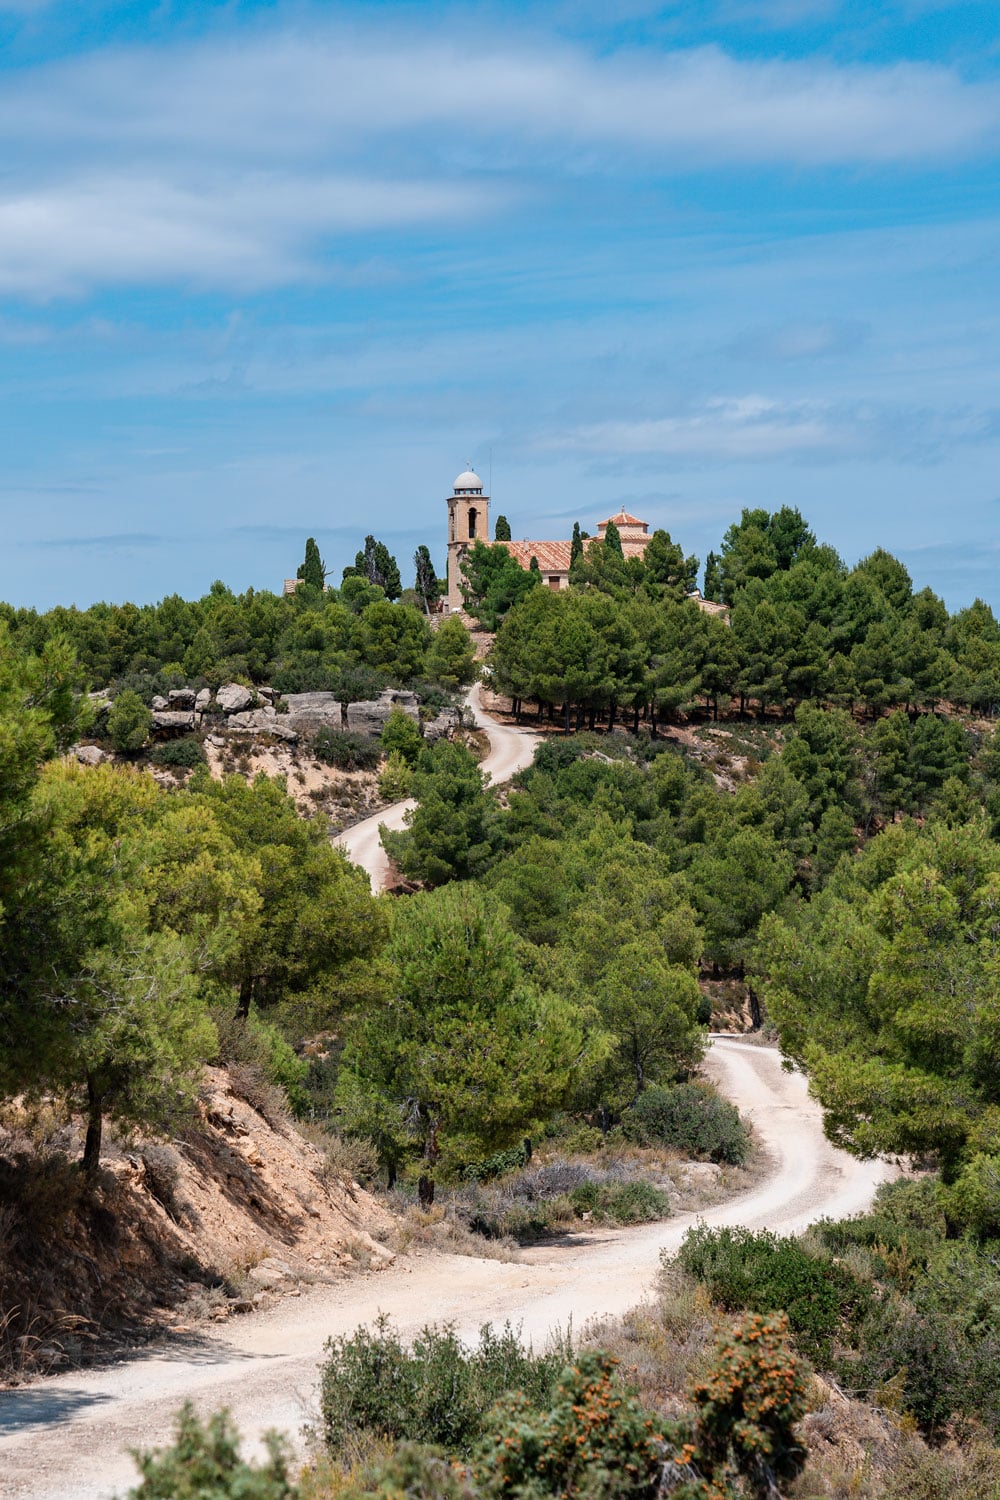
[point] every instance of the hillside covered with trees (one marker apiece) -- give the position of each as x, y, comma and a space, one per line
793, 800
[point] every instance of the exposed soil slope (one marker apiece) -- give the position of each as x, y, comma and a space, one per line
180, 1228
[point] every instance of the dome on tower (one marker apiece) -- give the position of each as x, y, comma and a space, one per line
468, 483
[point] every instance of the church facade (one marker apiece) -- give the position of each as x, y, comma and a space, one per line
469, 522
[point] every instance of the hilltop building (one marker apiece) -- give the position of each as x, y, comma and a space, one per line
469, 522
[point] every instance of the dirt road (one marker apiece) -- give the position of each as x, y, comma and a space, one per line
65, 1439
510, 751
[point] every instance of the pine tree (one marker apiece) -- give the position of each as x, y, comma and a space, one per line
501, 532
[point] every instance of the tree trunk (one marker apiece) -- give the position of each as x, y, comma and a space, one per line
390, 1174
592, 720
635, 720
95, 1129
527, 1149
425, 1192
246, 997
566, 709
611, 714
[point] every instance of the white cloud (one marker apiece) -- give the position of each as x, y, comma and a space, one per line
233, 162
66, 236
723, 428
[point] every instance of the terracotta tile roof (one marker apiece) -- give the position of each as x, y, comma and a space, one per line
623, 519
553, 557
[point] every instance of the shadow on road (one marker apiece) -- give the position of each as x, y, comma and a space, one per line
22, 1409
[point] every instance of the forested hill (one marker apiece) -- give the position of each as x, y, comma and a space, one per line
802, 627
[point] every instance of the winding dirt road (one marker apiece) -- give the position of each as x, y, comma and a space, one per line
510, 751
67, 1438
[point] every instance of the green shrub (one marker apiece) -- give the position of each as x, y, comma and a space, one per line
395, 780
496, 1165
436, 1392
129, 723
204, 1464
348, 752
595, 1441
767, 1273
401, 734
690, 1118
621, 1202
185, 753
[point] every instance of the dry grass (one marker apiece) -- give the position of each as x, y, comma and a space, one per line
441, 1228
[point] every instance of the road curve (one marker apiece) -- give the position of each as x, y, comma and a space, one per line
65, 1439
510, 751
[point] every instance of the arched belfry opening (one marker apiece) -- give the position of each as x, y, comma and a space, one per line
468, 522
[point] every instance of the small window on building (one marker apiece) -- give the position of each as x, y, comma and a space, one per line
554, 581
473, 516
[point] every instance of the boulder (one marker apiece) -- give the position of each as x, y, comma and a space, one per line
100, 704
233, 698
89, 755
160, 704
202, 699
267, 693
439, 728
308, 712
173, 719
262, 721
182, 697
400, 698
368, 716
216, 740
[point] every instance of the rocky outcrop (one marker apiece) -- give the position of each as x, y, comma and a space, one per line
159, 704
308, 712
262, 721
173, 719
182, 697
233, 698
440, 728
369, 716
202, 699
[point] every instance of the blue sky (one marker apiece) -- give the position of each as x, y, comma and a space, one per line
272, 270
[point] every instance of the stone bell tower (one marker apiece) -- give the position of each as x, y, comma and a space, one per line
468, 522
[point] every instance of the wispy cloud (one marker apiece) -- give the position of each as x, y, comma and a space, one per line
121, 541
236, 162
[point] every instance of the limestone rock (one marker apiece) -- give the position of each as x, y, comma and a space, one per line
439, 728
173, 719
233, 698
267, 693
308, 712
215, 740
368, 716
160, 704
256, 720
182, 697
89, 755
262, 721
202, 699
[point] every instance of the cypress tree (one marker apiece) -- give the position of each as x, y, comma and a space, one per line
501, 531
576, 545
612, 539
312, 570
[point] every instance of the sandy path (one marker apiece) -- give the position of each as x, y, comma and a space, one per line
64, 1439
510, 751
